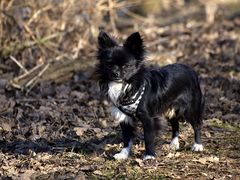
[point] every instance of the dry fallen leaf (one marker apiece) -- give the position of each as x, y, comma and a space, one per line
27, 174
139, 162
80, 130
205, 160
173, 154
98, 159
6, 127
98, 172
213, 159
87, 168
207, 134
110, 146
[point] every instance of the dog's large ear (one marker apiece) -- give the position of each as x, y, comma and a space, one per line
104, 41
134, 44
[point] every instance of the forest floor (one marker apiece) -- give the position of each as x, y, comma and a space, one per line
64, 131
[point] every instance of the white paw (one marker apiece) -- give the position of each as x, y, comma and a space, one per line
197, 147
174, 145
120, 156
123, 154
147, 157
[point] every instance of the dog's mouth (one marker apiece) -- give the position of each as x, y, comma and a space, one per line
118, 80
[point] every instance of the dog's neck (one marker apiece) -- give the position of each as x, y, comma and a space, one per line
125, 97
117, 89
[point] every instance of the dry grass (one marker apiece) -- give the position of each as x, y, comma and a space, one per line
52, 29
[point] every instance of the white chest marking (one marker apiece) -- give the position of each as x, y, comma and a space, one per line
114, 91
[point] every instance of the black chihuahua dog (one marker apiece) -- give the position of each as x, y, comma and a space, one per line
145, 94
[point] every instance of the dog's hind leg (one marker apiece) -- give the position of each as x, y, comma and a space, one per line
175, 133
196, 123
128, 133
197, 146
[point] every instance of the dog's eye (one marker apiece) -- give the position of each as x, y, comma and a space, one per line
128, 65
106, 55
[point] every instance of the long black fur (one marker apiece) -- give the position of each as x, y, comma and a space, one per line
173, 86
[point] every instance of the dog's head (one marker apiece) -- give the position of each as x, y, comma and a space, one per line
119, 62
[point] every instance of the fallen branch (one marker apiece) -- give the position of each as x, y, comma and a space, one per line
57, 71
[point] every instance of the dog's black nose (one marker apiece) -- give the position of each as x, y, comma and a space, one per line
116, 74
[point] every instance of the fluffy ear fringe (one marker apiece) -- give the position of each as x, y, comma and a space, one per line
105, 41
134, 44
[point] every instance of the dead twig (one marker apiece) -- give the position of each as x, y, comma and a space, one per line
19, 64
6, 51
36, 14
112, 16
19, 81
34, 81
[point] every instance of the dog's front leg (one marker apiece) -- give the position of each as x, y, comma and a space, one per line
128, 133
149, 135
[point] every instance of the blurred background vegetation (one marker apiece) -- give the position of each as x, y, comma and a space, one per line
35, 34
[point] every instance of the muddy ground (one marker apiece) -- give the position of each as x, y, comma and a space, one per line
64, 131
